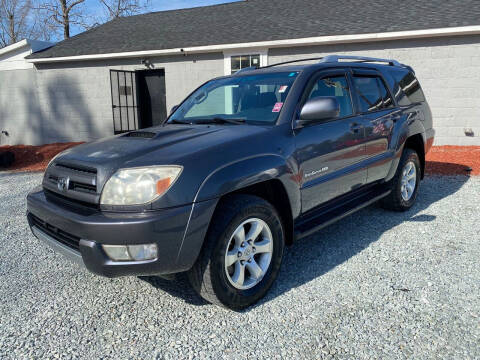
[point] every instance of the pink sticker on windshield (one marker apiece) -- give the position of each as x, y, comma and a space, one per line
277, 107
282, 89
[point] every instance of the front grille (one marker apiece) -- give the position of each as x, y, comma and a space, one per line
75, 186
83, 169
75, 182
61, 236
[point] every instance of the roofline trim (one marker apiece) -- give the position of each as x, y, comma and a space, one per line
319, 40
35, 45
14, 46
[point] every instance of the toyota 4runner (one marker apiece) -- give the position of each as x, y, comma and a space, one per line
245, 165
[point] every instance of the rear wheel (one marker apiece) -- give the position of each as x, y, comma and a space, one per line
405, 184
242, 253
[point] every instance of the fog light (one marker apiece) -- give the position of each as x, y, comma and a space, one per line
117, 252
131, 252
143, 252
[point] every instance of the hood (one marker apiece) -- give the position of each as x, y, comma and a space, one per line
169, 143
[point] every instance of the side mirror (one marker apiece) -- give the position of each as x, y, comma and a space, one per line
318, 109
174, 107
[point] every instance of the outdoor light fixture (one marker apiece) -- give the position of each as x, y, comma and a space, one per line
147, 63
131, 252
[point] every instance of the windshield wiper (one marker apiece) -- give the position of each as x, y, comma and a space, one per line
220, 120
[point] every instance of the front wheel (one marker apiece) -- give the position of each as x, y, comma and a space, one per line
405, 184
242, 253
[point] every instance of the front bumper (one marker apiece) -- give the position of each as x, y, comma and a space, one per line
79, 233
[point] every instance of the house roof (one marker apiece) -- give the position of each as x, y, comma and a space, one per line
263, 20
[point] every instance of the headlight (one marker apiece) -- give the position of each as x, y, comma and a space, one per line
137, 186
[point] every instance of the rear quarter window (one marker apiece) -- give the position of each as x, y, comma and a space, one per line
407, 88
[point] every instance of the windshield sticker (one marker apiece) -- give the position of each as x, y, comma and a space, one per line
277, 107
282, 89
292, 74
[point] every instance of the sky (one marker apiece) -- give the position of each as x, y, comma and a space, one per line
159, 5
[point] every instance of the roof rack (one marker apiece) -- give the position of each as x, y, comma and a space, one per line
338, 58
292, 61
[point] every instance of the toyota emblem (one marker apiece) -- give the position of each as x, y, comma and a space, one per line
62, 184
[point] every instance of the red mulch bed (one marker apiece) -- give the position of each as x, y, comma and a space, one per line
453, 160
441, 160
34, 158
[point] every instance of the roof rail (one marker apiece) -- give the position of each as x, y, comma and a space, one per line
338, 58
250, 68
291, 61
331, 59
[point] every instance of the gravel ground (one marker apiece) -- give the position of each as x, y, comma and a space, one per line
375, 285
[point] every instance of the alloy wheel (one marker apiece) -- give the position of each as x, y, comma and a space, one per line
409, 180
249, 254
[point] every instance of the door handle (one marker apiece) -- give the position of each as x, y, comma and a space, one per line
355, 127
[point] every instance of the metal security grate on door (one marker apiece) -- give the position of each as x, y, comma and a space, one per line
124, 101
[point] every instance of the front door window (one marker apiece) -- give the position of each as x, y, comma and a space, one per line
334, 86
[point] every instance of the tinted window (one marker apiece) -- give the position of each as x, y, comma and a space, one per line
408, 88
334, 86
372, 93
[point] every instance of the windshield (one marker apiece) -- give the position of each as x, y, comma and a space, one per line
237, 99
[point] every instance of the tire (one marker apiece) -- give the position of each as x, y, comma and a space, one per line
400, 198
213, 279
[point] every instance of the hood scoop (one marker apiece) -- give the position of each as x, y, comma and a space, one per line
169, 135
140, 134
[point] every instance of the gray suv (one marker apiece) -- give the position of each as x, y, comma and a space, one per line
244, 166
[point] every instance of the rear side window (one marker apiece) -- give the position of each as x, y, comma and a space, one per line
372, 93
334, 86
408, 90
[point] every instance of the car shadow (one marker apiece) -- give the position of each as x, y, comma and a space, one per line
177, 286
321, 252
445, 168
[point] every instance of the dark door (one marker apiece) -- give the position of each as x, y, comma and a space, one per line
151, 97
329, 153
379, 114
124, 102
